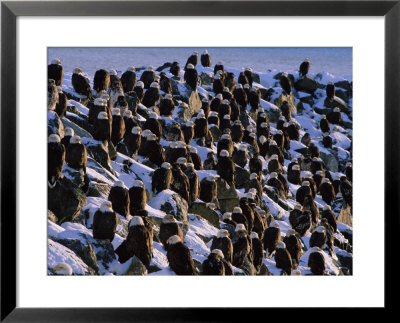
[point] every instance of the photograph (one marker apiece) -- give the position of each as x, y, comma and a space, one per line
233, 161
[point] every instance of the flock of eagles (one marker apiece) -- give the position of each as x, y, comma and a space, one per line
248, 233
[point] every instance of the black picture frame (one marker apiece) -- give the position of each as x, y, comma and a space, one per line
10, 10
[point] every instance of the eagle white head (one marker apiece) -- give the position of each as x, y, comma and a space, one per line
56, 61
296, 167
222, 233
315, 249
64, 269
193, 150
224, 153
348, 164
106, 207
227, 117
308, 175
116, 112
242, 147
298, 207
173, 145
320, 172
174, 240
252, 135
100, 102
113, 72
210, 178
272, 142
150, 68
77, 70
169, 218
182, 161
240, 227
181, 144
336, 110
131, 69
75, 140
326, 180
140, 84
154, 85
253, 176
166, 165
327, 208
137, 183
290, 232
219, 97
295, 272
190, 66
136, 221
153, 115
282, 118
227, 216
225, 136
274, 224
120, 184
69, 132
246, 86
127, 114
274, 157
320, 229
263, 139
254, 235
239, 86
102, 116
273, 175
237, 209
281, 245
211, 206
305, 183
285, 125
53, 138
59, 89
205, 52
136, 130
218, 252
250, 196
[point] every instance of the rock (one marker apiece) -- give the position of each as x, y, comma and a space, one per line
331, 161
104, 252
171, 203
112, 151
79, 131
336, 102
230, 228
342, 95
136, 268
100, 152
206, 78
345, 215
256, 78
244, 118
175, 82
192, 98
170, 130
290, 100
54, 124
66, 200
272, 111
346, 260
163, 67
200, 208
307, 84
264, 271
133, 101
93, 164
227, 196
264, 92
98, 189
271, 193
183, 112
51, 216
72, 95
307, 99
83, 248
75, 176
215, 132
81, 120
248, 268
279, 75
344, 85
242, 177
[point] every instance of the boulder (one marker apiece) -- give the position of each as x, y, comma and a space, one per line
290, 100
100, 152
242, 177
83, 248
279, 75
175, 82
104, 252
201, 208
163, 67
206, 78
98, 189
170, 129
133, 101
192, 98
79, 131
345, 215
244, 118
344, 85
272, 111
51, 216
248, 268
54, 124
66, 200
171, 202
215, 132
72, 95
136, 268
307, 84
271, 193
256, 78
264, 271
336, 102
227, 196
330, 160
77, 177
345, 260
183, 113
